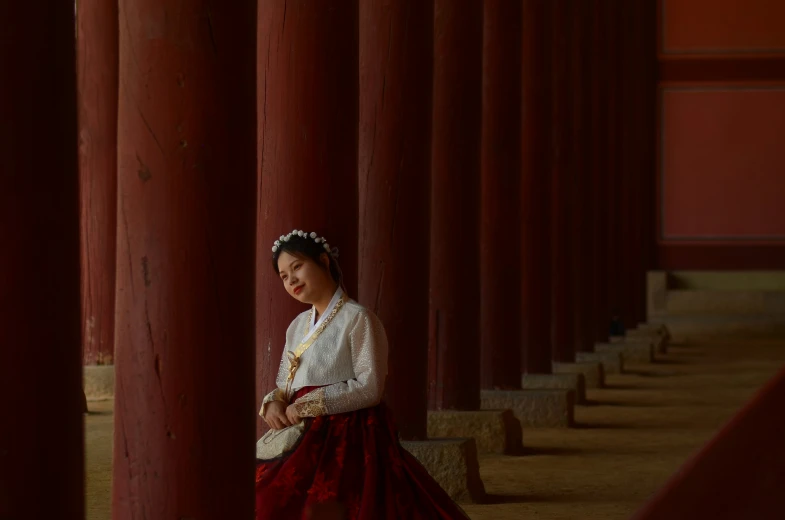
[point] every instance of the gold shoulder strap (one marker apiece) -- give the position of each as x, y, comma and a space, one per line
294, 357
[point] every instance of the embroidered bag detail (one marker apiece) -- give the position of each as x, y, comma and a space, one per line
277, 443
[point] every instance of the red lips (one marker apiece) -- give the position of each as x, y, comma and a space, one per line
298, 289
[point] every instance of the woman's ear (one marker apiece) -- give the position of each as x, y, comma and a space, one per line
324, 260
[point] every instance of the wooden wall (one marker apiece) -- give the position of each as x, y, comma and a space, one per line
721, 146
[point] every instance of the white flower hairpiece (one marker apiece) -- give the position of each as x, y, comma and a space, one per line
304, 234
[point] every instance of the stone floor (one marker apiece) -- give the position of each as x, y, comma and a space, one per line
630, 438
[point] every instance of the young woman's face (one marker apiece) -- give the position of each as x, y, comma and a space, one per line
304, 279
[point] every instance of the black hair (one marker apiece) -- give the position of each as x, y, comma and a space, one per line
307, 247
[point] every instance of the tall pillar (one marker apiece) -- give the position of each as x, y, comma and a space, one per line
396, 67
642, 44
648, 56
40, 355
581, 203
97, 84
184, 413
544, 395
500, 249
307, 150
612, 48
536, 187
599, 172
562, 277
629, 152
454, 346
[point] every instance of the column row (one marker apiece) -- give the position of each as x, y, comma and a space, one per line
485, 206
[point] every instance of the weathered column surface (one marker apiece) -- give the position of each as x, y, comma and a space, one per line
599, 170
396, 67
612, 47
536, 187
454, 347
562, 186
97, 83
184, 413
307, 150
629, 175
639, 62
500, 249
581, 202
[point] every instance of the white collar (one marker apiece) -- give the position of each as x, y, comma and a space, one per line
315, 324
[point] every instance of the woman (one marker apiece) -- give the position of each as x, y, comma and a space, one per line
332, 447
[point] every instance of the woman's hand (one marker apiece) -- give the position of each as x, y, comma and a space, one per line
275, 415
292, 415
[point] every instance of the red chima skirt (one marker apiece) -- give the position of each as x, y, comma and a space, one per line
350, 466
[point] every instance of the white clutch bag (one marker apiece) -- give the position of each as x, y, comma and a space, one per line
276, 443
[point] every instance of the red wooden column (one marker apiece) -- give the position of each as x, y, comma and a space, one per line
648, 122
454, 346
536, 187
97, 84
634, 62
599, 173
614, 264
500, 250
396, 67
562, 275
582, 203
307, 150
184, 412
40, 354
629, 151
642, 65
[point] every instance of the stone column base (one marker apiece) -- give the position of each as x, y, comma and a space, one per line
655, 333
535, 408
593, 373
567, 381
494, 431
98, 381
631, 351
612, 362
652, 333
453, 463
658, 328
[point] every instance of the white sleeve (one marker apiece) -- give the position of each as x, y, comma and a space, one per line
368, 343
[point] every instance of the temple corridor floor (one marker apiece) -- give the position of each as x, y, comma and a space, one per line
630, 439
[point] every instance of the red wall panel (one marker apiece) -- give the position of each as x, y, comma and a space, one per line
721, 167
723, 164
722, 26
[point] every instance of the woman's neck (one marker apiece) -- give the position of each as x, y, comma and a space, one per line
324, 301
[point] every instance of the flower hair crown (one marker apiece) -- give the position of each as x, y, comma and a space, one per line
303, 234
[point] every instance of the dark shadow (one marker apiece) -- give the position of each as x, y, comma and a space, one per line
661, 361
551, 450
591, 402
515, 452
622, 387
594, 426
491, 499
649, 373
642, 373
535, 499
623, 403
99, 413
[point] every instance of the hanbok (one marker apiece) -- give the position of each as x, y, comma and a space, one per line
345, 458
